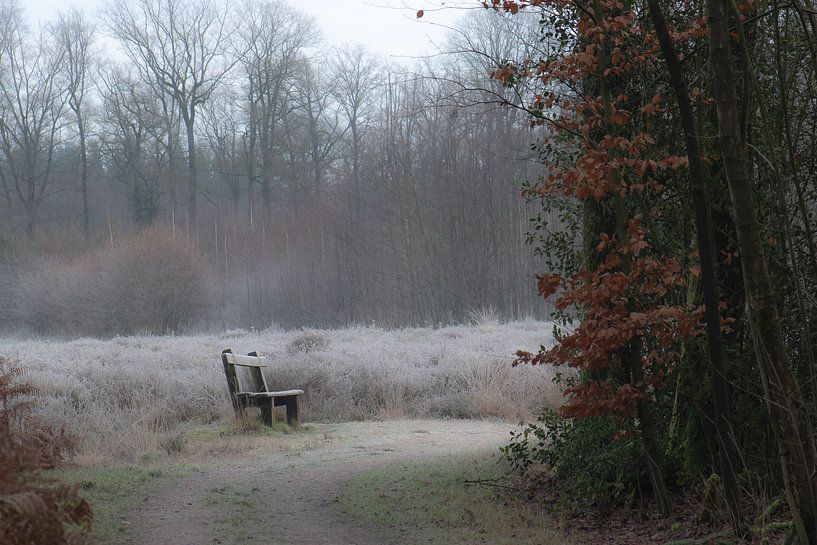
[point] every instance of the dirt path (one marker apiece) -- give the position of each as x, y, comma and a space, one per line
286, 498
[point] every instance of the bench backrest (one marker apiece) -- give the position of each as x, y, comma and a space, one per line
244, 373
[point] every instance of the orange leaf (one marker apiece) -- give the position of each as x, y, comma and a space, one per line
547, 284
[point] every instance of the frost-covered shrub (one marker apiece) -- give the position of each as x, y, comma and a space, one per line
308, 342
485, 316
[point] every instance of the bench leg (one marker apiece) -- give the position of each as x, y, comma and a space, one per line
267, 415
292, 411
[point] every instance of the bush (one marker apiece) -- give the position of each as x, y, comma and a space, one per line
592, 460
33, 510
485, 316
308, 342
162, 284
151, 283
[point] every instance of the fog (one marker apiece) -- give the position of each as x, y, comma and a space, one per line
226, 168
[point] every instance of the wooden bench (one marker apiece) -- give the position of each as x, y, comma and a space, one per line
248, 388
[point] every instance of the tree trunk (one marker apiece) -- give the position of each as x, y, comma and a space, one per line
250, 157
192, 190
357, 192
781, 390
83, 157
31, 223
266, 183
709, 281
631, 355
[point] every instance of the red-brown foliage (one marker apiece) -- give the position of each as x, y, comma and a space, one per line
34, 510
619, 307
632, 305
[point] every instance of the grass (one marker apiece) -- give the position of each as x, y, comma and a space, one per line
432, 503
237, 511
114, 491
239, 505
250, 426
127, 396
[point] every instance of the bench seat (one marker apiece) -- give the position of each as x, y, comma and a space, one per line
272, 394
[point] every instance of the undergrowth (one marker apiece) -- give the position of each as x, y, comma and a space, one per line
594, 462
34, 509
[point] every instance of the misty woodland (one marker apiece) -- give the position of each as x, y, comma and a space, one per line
287, 182
554, 284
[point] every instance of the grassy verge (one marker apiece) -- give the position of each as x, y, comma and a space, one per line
433, 503
116, 491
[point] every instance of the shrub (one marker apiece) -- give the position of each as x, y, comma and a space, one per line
592, 460
308, 342
34, 510
162, 283
485, 316
151, 283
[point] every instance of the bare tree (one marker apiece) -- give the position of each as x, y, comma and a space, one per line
357, 76
275, 37
223, 127
387, 206
183, 46
134, 140
31, 109
321, 120
75, 34
12, 22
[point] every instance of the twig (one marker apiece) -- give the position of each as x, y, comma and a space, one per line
488, 482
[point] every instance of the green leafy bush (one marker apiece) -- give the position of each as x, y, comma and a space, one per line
593, 460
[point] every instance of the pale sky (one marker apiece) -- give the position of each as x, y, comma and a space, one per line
387, 27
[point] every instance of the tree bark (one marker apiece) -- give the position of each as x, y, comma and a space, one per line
192, 189
83, 157
782, 393
709, 281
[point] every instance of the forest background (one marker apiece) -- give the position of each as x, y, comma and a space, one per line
267, 179
670, 179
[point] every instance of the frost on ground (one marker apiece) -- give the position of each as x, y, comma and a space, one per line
129, 396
